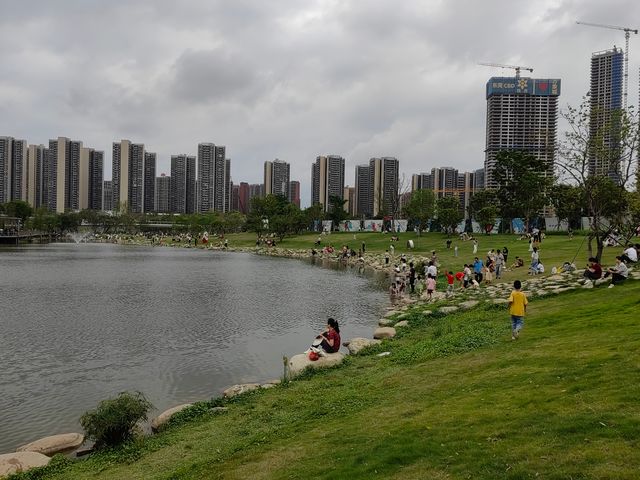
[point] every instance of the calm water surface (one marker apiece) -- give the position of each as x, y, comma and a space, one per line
80, 323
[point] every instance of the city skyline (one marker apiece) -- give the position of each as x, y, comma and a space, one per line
298, 93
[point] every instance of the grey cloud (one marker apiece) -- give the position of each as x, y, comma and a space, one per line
200, 76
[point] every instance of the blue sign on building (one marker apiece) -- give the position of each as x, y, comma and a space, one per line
548, 87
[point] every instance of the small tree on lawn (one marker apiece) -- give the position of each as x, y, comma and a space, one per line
448, 213
483, 208
421, 208
601, 162
523, 184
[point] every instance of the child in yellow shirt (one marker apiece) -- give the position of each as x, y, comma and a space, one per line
517, 308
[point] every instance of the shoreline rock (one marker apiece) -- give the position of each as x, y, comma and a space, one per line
165, 416
298, 363
53, 444
21, 462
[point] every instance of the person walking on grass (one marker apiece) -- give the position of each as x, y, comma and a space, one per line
517, 309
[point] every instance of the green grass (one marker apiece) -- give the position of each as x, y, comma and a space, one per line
554, 250
455, 399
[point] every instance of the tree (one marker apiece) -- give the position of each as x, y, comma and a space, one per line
448, 213
19, 209
483, 207
523, 184
567, 202
273, 213
587, 158
314, 215
420, 208
336, 212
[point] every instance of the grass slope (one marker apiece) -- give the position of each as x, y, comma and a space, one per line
455, 399
554, 250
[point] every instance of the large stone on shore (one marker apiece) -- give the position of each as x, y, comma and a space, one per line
390, 313
603, 281
401, 324
500, 301
299, 362
384, 332
556, 278
468, 304
54, 444
386, 322
447, 310
240, 389
21, 462
165, 416
356, 344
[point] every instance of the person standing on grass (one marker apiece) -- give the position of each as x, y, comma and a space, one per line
477, 269
412, 277
475, 246
431, 287
499, 263
517, 309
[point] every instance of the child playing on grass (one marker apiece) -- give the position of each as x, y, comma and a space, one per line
431, 287
517, 308
450, 280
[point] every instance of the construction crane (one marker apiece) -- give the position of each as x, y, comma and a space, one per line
517, 68
627, 33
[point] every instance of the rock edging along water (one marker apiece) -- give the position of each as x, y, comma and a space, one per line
54, 444
21, 462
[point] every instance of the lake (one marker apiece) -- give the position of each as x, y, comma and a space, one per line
81, 323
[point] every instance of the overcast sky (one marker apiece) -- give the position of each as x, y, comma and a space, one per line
288, 79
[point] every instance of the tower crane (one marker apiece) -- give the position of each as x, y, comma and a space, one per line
517, 68
627, 33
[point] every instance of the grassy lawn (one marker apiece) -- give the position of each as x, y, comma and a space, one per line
454, 399
554, 250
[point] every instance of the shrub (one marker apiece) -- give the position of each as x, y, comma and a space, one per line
114, 421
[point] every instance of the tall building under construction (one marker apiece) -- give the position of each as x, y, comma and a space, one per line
522, 115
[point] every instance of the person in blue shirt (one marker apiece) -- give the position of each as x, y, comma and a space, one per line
477, 269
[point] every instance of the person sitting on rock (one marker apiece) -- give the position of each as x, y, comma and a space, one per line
593, 270
329, 340
618, 273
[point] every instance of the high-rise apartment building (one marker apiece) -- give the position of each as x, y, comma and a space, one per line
183, 184
327, 180
276, 178
349, 196
6, 160
235, 198
255, 190
243, 198
228, 185
294, 192
448, 182
163, 193
363, 200
13, 165
149, 182
605, 97
521, 115
384, 178
96, 175
107, 195
128, 174
83, 177
214, 181
58, 169
36, 161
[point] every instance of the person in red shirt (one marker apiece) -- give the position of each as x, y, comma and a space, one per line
593, 270
450, 280
460, 279
330, 338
